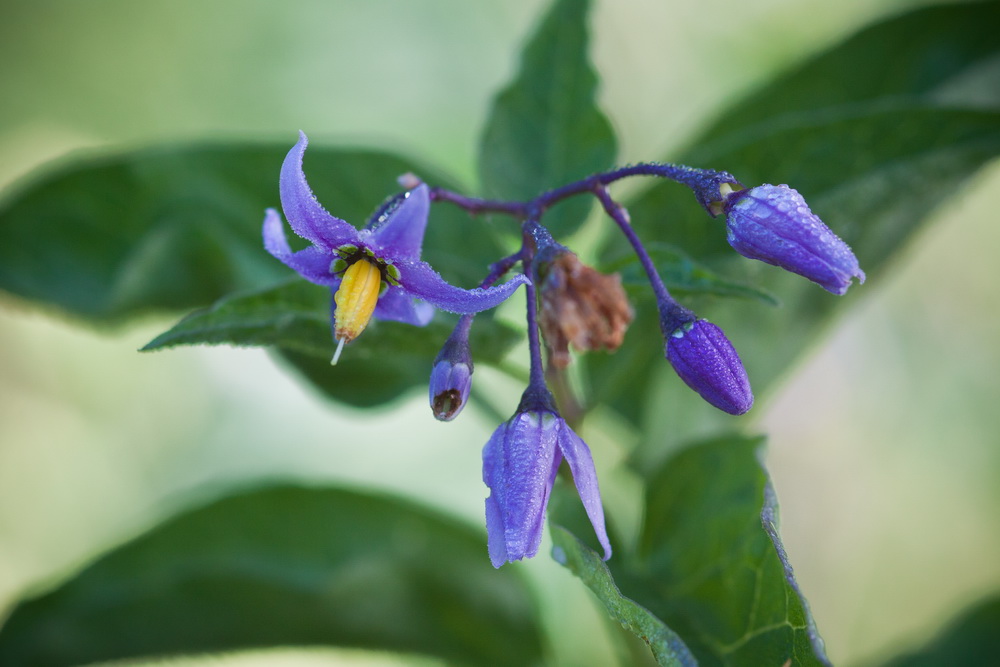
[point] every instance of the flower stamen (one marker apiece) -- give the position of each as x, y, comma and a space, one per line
355, 298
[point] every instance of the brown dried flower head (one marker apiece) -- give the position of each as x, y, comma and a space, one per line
582, 306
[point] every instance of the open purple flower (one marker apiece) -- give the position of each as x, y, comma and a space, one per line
773, 223
375, 271
520, 462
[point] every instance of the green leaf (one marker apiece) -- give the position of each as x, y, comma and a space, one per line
710, 563
545, 129
286, 566
682, 276
874, 150
585, 563
970, 641
177, 227
294, 317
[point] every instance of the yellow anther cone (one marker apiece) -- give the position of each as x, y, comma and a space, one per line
356, 299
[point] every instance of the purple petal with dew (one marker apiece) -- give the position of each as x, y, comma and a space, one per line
396, 305
581, 464
423, 282
313, 264
306, 216
773, 223
519, 465
402, 234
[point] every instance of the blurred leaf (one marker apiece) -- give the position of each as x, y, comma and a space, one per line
295, 317
710, 563
682, 276
873, 149
585, 563
971, 641
177, 227
545, 129
286, 566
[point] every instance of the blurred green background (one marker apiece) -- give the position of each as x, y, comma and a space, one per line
884, 447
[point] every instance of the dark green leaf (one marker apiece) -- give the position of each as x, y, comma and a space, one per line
294, 316
545, 129
710, 563
178, 227
971, 641
874, 150
585, 563
286, 566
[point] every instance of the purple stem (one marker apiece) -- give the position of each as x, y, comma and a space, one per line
672, 314
704, 182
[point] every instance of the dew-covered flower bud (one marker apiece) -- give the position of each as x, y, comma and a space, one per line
705, 359
520, 463
451, 377
581, 306
773, 223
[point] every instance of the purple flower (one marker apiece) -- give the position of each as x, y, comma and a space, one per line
375, 271
773, 223
520, 462
705, 359
451, 377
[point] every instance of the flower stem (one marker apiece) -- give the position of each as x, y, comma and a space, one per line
704, 182
672, 314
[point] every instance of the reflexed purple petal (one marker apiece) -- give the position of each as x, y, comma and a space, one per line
519, 465
496, 542
397, 306
423, 282
773, 224
402, 234
707, 362
312, 263
581, 464
306, 216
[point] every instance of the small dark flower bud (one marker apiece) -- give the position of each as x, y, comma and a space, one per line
773, 223
705, 359
451, 377
581, 306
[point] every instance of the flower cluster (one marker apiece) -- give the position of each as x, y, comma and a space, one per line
376, 271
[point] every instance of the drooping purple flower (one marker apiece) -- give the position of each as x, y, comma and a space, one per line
451, 377
705, 359
375, 271
520, 463
773, 223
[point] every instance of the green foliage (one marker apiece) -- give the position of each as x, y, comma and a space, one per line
544, 129
873, 149
970, 641
709, 562
177, 227
873, 165
294, 317
286, 565
584, 562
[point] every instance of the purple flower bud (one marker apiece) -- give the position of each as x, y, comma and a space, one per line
773, 223
450, 384
520, 462
451, 378
705, 359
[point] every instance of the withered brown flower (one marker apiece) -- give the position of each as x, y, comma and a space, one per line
582, 306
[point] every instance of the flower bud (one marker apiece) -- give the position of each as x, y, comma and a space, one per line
451, 377
773, 223
705, 359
